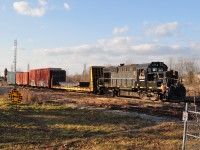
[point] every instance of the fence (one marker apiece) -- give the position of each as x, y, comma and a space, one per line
191, 134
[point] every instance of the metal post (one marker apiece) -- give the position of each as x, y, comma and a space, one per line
15, 58
185, 129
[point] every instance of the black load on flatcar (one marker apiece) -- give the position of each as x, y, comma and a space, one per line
150, 80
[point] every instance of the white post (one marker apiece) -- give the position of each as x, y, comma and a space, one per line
185, 128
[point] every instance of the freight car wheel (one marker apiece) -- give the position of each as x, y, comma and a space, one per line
100, 91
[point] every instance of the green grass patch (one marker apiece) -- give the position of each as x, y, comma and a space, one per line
59, 127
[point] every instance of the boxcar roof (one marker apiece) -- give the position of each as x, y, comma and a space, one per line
47, 69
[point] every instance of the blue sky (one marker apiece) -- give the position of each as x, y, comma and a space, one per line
71, 33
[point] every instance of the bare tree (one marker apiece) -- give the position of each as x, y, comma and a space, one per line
79, 77
186, 66
180, 66
85, 74
171, 63
191, 69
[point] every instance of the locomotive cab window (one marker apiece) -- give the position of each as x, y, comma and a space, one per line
141, 72
154, 69
150, 77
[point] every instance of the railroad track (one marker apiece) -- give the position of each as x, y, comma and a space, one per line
158, 108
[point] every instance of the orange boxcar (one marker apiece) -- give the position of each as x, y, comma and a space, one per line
22, 78
46, 77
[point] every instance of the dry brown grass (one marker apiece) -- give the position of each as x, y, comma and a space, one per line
49, 126
29, 97
59, 127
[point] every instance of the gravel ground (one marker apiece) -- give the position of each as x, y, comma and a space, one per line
5, 89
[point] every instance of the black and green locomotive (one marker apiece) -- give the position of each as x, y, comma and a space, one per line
149, 80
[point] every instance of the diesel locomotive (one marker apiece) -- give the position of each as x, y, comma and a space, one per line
147, 81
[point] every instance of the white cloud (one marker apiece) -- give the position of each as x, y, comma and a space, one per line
164, 29
116, 47
42, 2
116, 41
148, 47
66, 6
176, 47
195, 46
113, 52
81, 49
118, 30
24, 8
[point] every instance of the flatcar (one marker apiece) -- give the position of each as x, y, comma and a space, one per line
149, 80
95, 73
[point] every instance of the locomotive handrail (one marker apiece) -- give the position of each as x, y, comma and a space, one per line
117, 78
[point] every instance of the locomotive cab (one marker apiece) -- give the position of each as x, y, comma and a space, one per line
153, 74
155, 79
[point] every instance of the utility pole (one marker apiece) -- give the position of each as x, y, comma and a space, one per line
15, 57
28, 67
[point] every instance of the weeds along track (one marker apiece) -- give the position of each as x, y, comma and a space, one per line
137, 105
158, 108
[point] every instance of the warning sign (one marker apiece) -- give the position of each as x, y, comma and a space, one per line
15, 96
185, 116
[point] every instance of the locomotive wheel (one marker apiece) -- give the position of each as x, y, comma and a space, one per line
142, 95
117, 93
165, 96
100, 91
113, 93
155, 97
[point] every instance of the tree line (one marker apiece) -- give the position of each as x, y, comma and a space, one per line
188, 68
